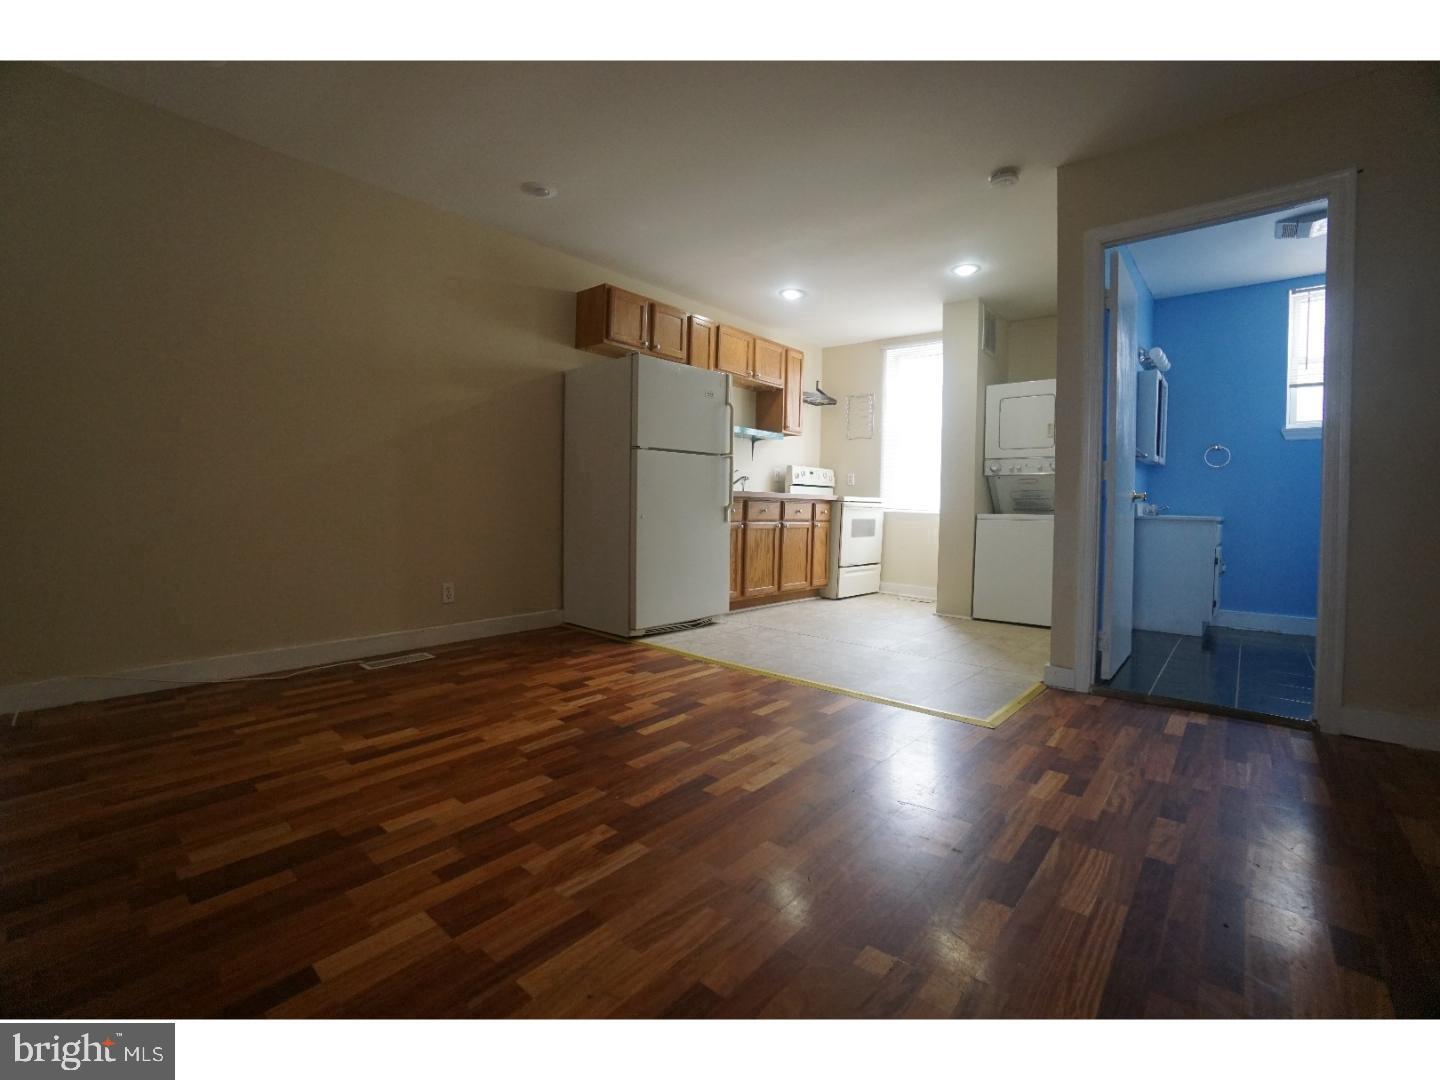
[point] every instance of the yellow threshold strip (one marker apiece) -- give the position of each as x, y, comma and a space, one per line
994, 720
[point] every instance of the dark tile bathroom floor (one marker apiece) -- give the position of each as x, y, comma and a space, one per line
1256, 672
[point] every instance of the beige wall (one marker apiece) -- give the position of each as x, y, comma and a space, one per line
858, 369
910, 563
963, 493
960, 445
250, 403
1030, 349
1388, 126
911, 540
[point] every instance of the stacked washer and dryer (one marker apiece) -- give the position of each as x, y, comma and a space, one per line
1014, 545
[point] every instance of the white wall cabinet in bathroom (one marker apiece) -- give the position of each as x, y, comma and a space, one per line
1152, 416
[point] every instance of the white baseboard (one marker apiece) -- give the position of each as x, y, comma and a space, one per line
1422, 732
1061, 678
27, 697
922, 592
1256, 620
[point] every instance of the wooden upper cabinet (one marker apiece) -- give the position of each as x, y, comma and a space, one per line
702, 342
794, 388
669, 332
735, 351
615, 321
769, 363
781, 410
627, 318
612, 321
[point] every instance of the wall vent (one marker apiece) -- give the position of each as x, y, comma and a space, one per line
988, 331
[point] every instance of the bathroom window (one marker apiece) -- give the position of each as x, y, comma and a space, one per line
1305, 386
910, 429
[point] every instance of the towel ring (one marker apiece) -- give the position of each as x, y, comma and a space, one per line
1212, 449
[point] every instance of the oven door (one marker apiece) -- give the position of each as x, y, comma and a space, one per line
862, 531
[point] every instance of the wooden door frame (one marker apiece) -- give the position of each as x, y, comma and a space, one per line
1339, 190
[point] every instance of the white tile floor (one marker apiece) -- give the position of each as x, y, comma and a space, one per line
884, 645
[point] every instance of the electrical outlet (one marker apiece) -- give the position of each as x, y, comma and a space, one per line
447, 592
850, 479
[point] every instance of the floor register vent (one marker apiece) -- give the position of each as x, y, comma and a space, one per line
396, 661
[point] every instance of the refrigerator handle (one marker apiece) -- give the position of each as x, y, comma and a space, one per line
729, 454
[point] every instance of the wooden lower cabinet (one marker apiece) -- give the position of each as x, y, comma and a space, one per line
795, 555
779, 548
820, 555
760, 569
737, 559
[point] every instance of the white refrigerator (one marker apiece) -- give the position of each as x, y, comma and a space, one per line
648, 463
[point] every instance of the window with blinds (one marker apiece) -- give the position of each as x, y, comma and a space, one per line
910, 428
1305, 384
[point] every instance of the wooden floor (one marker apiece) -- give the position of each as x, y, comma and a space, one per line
553, 824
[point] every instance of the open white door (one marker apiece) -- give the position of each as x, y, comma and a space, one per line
1117, 601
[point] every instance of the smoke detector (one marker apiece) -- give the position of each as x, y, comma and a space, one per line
1005, 176
538, 190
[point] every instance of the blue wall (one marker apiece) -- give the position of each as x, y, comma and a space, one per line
1227, 385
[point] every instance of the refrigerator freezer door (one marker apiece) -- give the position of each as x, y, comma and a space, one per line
682, 538
680, 408
1013, 555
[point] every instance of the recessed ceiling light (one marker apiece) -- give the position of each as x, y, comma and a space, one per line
965, 269
793, 294
538, 190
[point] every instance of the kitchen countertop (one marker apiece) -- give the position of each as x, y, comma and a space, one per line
737, 493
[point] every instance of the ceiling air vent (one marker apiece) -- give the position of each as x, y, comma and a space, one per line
1302, 226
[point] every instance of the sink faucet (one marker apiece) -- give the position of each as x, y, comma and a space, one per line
739, 481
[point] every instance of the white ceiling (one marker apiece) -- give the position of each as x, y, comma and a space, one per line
862, 183
1227, 256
